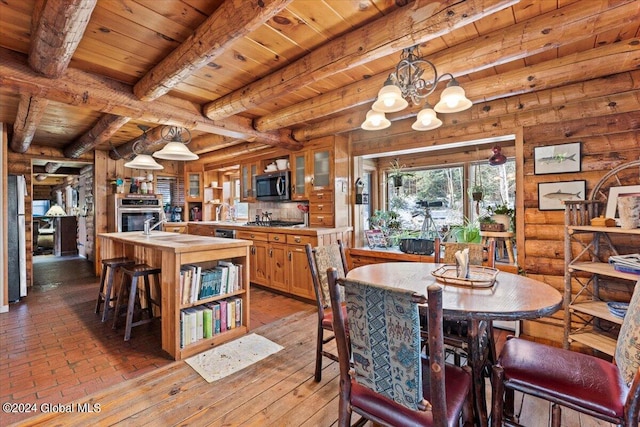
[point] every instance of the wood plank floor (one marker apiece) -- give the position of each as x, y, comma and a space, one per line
278, 390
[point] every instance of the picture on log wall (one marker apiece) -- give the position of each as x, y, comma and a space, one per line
559, 158
551, 194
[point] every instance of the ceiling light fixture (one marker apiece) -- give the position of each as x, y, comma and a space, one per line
413, 80
142, 161
176, 149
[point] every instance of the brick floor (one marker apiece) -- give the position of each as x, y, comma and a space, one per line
55, 349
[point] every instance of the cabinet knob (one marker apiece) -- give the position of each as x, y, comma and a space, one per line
276, 238
290, 256
252, 235
271, 253
297, 239
320, 207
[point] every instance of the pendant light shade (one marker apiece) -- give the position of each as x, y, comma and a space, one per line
452, 99
389, 99
143, 161
375, 120
175, 151
55, 210
426, 120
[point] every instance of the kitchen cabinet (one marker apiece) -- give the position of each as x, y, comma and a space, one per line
588, 320
180, 227
248, 171
298, 164
194, 186
258, 256
322, 165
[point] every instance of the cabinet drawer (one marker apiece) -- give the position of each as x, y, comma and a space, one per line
321, 208
201, 230
321, 220
278, 237
252, 235
175, 228
320, 196
296, 239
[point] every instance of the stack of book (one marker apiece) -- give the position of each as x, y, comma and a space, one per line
626, 263
209, 319
199, 281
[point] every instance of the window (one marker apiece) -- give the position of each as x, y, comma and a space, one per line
445, 194
242, 209
171, 189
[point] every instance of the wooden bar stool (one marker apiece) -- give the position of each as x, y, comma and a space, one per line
134, 272
503, 236
110, 267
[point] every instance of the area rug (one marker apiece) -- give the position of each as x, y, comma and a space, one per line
233, 356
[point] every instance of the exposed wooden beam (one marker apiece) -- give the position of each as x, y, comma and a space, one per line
527, 38
30, 111
52, 167
402, 28
230, 22
546, 75
57, 28
142, 143
101, 132
109, 96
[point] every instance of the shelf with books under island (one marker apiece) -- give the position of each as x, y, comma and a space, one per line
192, 285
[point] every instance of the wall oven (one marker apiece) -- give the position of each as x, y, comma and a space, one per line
128, 212
274, 186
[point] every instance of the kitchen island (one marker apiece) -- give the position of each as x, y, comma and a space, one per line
171, 252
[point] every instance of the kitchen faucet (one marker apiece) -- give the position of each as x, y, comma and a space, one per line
230, 211
148, 227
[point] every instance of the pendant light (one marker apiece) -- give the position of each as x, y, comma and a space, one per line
176, 148
142, 161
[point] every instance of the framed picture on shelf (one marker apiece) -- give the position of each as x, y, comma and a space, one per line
559, 158
551, 194
612, 200
375, 239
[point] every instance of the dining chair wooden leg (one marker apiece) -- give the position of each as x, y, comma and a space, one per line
319, 344
497, 404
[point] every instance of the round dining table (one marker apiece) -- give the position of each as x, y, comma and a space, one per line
510, 297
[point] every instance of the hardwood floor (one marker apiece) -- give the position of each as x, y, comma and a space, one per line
54, 349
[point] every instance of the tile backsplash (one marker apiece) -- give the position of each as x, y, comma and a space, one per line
278, 210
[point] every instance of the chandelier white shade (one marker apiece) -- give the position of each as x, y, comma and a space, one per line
452, 99
389, 99
426, 120
375, 120
175, 151
143, 161
413, 80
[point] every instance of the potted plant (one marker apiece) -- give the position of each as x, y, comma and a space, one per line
466, 233
502, 214
487, 223
396, 173
477, 192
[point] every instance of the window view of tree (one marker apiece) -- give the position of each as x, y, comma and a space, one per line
445, 194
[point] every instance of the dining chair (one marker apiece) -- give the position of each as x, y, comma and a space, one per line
320, 258
456, 332
609, 391
383, 375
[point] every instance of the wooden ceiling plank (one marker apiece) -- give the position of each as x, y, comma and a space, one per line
30, 112
101, 132
102, 94
58, 27
491, 50
417, 25
227, 24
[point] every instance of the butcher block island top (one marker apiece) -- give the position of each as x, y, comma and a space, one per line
172, 252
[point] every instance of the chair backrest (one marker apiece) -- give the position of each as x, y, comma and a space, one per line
478, 252
627, 355
320, 259
384, 342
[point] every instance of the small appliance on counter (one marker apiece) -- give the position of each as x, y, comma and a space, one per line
176, 214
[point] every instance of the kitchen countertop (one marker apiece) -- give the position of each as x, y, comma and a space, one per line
174, 242
241, 225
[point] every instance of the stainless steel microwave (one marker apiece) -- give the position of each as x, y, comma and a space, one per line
273, 186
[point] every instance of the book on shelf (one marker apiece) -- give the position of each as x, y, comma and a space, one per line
223, 315
199, 323
207, 322
232, 279
231, 314
238, 304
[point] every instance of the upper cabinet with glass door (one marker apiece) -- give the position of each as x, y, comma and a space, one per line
194, 186
322, 169
248, 173
298, 165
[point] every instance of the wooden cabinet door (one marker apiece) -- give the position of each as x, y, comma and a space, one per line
278, 267
194, 186
300, 283
248, 172
260, 263
298, 165
321, 169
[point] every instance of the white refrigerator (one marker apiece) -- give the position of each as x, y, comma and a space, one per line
17, 253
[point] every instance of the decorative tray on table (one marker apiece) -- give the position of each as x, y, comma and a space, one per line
479, 277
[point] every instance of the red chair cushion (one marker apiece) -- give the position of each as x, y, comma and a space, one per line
327, 320
564, 376
458, 383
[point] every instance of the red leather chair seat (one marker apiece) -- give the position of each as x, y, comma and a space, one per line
564, 376
327, 320
457, 386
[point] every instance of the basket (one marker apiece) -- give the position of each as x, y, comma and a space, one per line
479, 277
417, 246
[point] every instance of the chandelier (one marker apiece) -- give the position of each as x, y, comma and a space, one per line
413, 80
176, 149
141, 160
